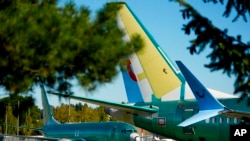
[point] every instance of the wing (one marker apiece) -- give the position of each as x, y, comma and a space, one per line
139, 110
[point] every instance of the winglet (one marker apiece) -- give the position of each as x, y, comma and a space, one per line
208, 105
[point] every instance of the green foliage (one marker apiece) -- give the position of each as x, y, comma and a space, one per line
10, 119
242, 8
62, 113
28, 123
229, 54
14, 107
40, 42
30, 115
79, 113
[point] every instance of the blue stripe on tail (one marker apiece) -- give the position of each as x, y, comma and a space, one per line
132, 89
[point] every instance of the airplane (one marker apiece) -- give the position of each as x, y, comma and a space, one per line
86, 131
160, 98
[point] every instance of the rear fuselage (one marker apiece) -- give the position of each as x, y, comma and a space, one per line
171, 113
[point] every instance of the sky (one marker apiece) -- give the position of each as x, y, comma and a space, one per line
164, 21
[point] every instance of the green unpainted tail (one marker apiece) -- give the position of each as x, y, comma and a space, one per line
47, 114
150, 68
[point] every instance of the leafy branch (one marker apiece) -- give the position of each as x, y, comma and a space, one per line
229, 54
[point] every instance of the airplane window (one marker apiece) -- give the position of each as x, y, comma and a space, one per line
207, 120
235, 120
129, 131
221, 120
214, 120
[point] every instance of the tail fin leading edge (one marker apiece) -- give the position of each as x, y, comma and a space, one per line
155, 74
47, 114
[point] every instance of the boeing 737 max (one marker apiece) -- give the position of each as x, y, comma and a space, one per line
86, 131
161, 101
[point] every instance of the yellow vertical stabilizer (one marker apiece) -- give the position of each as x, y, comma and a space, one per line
154, 70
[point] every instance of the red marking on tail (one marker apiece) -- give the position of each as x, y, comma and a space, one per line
130, 71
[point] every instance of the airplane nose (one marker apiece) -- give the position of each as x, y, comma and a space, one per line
134, 137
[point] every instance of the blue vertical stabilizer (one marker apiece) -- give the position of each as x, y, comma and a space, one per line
208, 105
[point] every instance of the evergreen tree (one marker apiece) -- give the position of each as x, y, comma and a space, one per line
61, 113
86, 114
41, 42
10, 121
229, 54
16, 108
28, 123
101, 114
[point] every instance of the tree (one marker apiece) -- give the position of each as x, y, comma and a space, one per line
101, 114
10, 121
32, 120
15, 111
229, 54
85, 112
28, 123
41, 42
61, 113
79, 113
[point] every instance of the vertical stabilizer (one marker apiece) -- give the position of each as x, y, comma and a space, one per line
151, 69
47, 114
208, 105
205, 99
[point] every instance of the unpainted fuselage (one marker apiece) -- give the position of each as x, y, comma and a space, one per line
95, 131
171, 113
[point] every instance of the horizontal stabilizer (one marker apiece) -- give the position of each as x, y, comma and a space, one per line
125, 107
200, 116
236, 114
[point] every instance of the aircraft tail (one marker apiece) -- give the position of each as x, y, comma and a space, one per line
208, 105
151, 76
47, 114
